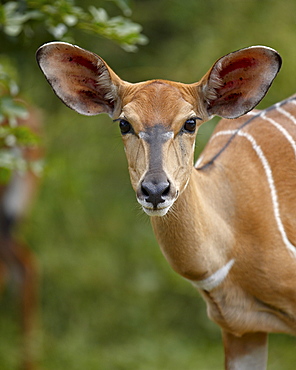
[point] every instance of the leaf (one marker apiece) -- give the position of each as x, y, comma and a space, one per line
13, 19
120, 29
24, 136
59, 30
99, 15
12, 110
124, 6
8, 84
70, 20
60, 17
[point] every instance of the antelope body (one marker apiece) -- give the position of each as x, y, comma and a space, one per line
228, 225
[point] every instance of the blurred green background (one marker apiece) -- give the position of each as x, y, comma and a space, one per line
108, 299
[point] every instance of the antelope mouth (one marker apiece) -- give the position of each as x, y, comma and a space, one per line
160, 210
156, 194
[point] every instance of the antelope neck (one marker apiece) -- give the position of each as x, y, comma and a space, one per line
185, 240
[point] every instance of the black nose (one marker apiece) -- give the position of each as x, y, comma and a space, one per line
155, 189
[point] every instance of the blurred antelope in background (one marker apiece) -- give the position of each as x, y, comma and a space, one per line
227, 225
17, 261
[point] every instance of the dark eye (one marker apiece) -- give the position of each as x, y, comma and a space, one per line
190, 125
125, 127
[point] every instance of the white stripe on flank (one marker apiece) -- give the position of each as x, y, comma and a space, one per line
287, 114
281, 129
268, 172
198, 162
251, 113
215, 279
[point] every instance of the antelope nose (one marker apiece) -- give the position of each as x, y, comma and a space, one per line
155, 190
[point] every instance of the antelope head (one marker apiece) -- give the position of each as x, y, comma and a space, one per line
158, 119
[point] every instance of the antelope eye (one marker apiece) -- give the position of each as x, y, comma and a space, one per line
190, 125
125, 127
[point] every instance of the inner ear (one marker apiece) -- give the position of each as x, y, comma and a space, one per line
238, 81
81, 79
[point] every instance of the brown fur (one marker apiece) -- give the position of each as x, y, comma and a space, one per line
223, 211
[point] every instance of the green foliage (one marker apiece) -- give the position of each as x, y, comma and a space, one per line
109, 300
8, 84
60, 17
12, 136
119, 29
11, 110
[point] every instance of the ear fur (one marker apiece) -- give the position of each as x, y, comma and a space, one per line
238, 81
81, 79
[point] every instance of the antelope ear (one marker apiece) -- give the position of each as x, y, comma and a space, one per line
238, 81
81, 79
